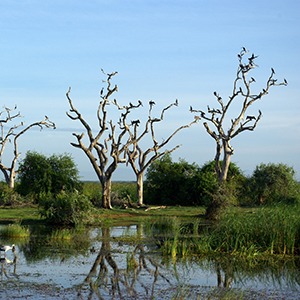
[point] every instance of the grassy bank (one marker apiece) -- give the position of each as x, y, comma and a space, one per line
116, 216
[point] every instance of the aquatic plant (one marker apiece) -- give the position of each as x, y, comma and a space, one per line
62, 234
274, 230
14, 230
162, 225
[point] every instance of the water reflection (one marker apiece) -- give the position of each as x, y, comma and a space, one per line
109, 276
5, 262
119, 262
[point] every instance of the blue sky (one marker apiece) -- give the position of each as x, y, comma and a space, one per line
163, 50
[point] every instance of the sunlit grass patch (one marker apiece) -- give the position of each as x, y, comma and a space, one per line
62, 234
14, 230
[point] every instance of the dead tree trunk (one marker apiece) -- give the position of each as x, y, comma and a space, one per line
241, 89
138, 158
105, 152
106, 192
11, 172
140, 188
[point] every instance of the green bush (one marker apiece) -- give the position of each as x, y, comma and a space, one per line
9, 197
271, 184
181, 183
41, 174
209, 185
93, 191
66, 209
122, 189
172, 183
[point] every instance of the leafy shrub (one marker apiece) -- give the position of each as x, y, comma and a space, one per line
41, 174
271, 184
93, 191
120, 190
172, 183
181, 183
9, 197
66, 209
209, 185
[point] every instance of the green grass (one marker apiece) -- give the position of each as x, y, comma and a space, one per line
112, 217
14, 230
265, 231
62, 234
28, 214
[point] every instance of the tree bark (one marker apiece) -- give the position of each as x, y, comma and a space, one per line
9, 177
139, 188
106, 191
226, 162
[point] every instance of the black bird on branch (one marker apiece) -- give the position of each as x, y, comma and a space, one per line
151, 103
136, 122
250, 118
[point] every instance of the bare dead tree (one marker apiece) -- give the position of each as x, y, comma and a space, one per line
100, 146
241, 89
11, 135
138, 158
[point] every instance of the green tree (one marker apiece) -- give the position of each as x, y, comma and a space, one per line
41, 174
273, 183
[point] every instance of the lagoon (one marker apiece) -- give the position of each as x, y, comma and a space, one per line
125, 261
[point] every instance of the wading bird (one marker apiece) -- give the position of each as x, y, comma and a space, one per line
6, 248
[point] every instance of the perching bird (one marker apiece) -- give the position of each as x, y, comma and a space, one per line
250, 118
6, 248
136, 122
151, 103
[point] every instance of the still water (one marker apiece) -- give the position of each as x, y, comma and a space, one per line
125, 261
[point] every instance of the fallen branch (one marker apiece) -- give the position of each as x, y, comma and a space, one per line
155, 207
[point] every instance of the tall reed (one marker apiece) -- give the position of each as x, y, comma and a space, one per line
271, 230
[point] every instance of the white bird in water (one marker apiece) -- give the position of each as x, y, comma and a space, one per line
5, 260
6, 248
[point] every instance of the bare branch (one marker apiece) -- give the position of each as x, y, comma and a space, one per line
241, 89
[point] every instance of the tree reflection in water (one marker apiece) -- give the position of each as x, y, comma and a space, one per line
122, 281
